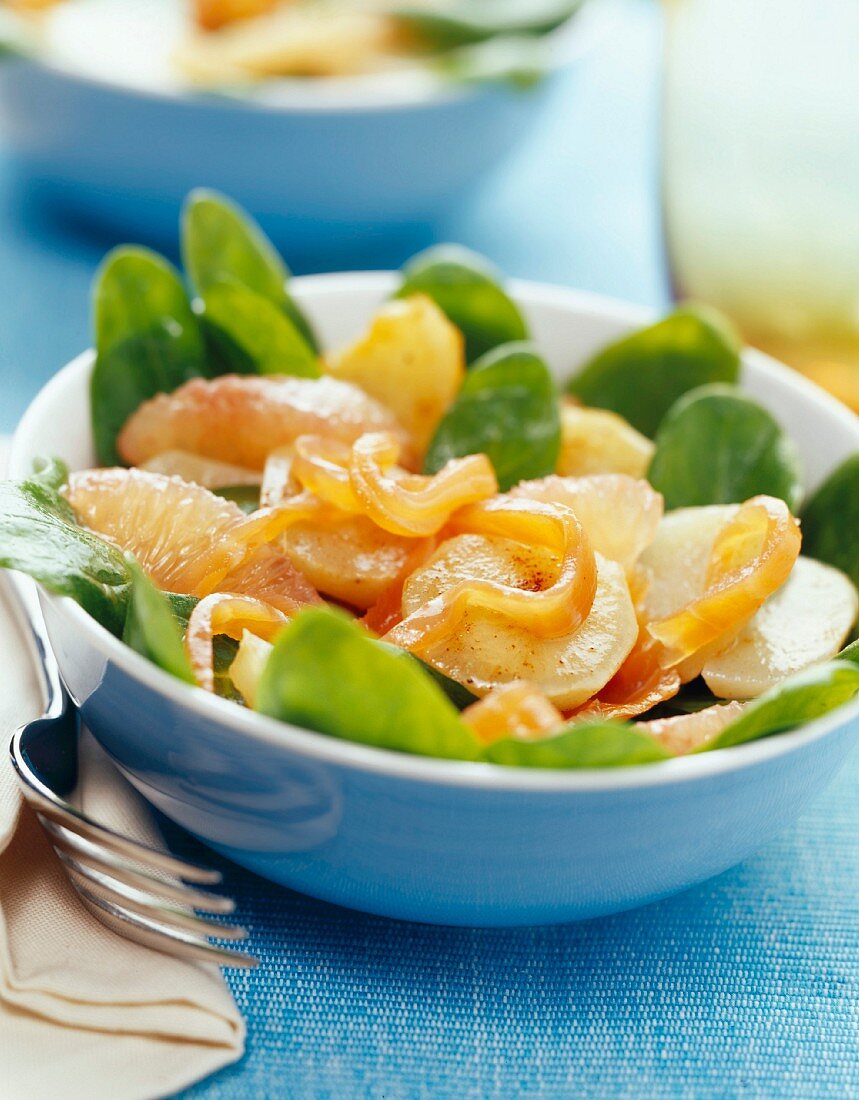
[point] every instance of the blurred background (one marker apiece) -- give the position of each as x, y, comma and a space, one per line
689, 147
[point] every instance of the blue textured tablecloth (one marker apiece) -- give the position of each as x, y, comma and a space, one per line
747, 986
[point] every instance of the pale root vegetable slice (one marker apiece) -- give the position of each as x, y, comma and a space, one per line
241, 419
488, 650
248, 665
519, 710
348, 558
551, 603
224, 613
185, 538
208, 472
412, 359
685, 732
639, 684
387, 611
596, 441
804, 623
751, 556
620, 514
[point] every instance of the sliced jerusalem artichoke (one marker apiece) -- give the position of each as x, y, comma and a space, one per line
411, 359
596, 441
804, 623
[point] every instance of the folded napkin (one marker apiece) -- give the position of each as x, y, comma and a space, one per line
83, 1012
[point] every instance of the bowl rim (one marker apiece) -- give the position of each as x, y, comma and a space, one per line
574, 39
424, 769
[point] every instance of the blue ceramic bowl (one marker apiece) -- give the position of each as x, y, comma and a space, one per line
432, 840
327, 167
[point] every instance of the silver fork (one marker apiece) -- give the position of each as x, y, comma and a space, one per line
136, 891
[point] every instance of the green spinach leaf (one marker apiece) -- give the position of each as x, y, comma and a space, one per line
460, 22
252, 336
148, 340
799, 699
582, 745
246, 496
38, 536
518, 63
326, 674
222, 243
468, 289
507, 409
151, 627
830, 520
642, 375
717, 446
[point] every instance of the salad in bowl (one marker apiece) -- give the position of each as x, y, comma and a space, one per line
243, 45
418, 542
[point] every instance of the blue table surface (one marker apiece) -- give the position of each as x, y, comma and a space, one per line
745, 986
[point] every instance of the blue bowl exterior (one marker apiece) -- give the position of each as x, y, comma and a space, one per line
426, 850
316, 178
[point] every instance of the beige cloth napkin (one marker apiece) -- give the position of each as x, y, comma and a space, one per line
83, 1012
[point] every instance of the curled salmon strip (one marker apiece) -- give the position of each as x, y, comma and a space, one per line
346, 556
185, 538
230, 614
519, 710
208, 472
412, 504
558, 608
488, 649
685, 732
241, 419
620, 514
752, 555
641, 682
366, 480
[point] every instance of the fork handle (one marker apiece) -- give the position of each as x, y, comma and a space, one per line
54, 752
25, 595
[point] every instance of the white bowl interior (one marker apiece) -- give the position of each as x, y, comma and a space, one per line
567, 326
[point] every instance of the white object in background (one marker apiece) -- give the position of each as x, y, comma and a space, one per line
761, 171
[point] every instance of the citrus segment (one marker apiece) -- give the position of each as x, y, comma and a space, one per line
620, 514
185, 538
686, 732
242, 419
518, 710
269, 575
